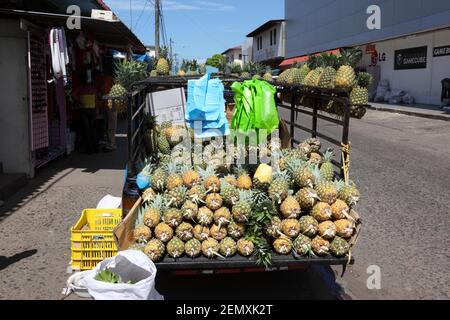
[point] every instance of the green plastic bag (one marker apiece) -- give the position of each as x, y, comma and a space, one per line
255, 106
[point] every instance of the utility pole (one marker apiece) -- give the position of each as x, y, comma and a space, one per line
157, 20
170, 48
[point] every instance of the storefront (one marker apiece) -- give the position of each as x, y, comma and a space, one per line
416, 64
38, 117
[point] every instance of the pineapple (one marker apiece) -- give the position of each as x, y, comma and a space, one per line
173, 217
176, 197
283, 77
339, 247
162, 67
210, 180
163, 232
185, 231
210, 248
348, 193
153, 73
320, 246
327, 78
118, 92
345, 76
173, 135
174, 179
163, 144
217, 232
360, 93
312, 79
189, 210
309, 226
327, 230
344, 228
294, 74
297, 76
193, 248
243, 180
242, 209
214, 201
197, 194
236, 230
246, 75
231, 180
302, 245
201, 233
166, 125
326, 190
262, 177
205, 216
340, 210
138, 246
290, 208
279, 188
268, 76
175, 247
314, 143
321, 212
326, 169
282, 246
222, 217
228, 247
245, 247
301, 172
307, 198
190, 177
273, 229
141, 232
290, 227
229, 193
148, 195
152, 216
159, 179
155, 250
315, 158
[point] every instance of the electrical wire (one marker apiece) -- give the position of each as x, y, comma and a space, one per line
140, 15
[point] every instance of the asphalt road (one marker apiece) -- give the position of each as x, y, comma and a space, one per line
400, 163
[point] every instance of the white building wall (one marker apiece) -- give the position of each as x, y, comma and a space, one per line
232, 56
14, 113
269, 52
423, 84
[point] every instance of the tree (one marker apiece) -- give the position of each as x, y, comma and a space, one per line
217, 61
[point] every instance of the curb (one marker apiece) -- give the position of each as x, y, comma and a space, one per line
411, 113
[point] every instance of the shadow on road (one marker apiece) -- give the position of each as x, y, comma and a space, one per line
7, 261
91, 163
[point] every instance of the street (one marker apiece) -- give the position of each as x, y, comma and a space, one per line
399, 162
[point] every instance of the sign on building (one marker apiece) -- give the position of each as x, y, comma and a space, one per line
413, 58
441, 51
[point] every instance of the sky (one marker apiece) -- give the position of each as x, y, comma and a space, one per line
199, 28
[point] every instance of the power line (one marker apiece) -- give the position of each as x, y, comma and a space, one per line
140, 15
131, 16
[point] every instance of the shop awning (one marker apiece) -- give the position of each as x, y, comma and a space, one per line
114, 34
289, 62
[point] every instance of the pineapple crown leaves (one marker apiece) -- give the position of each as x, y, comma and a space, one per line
364, 79
207, 173
282, 175
147, 167
159, 202
330, 60
294, 164
186, 168
128, 72
245, 195
328, 156
314, 62
317, 174
172, 168
140, 216
350, 57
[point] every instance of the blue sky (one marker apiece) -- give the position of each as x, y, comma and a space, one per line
199, 28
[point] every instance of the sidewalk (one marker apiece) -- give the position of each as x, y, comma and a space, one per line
418, 110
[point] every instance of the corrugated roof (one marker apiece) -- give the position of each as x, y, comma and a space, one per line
291, 61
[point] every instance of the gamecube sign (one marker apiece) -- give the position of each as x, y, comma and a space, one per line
413, 58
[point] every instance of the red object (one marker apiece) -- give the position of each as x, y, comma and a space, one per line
289, 62
371, 48
374, 58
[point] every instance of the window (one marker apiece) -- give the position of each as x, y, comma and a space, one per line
260, 43
275, 37
271, 38
240, 57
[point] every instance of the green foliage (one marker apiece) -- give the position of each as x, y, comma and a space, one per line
350, 57
128, 72
217, 61
108, 276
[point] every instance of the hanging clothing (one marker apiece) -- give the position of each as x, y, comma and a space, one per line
59, 53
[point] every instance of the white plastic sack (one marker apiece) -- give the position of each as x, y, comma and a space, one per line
109, 202
130, 265
387, 96
382, 89
408, 99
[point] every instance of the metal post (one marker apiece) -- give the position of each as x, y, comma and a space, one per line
130, 136
157, 20
345, 135
314, 119
292, 119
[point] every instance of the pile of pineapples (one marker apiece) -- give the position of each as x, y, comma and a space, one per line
293, 207
330, 71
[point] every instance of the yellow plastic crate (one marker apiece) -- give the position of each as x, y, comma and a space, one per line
92, 237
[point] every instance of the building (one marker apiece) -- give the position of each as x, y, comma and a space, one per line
269, 43
247, 51
37, 114
234, 55
410, 47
